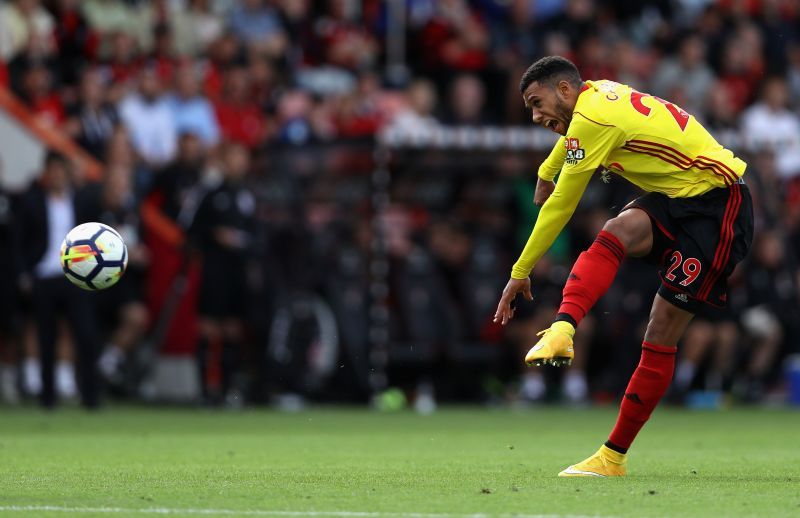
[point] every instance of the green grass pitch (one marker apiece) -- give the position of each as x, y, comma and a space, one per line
357, 463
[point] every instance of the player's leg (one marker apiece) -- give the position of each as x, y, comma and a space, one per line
715, 231
648, 384
630, 233
653, 375
81, 317
725, 356
132, 320
209, 357
232, 345
46, 328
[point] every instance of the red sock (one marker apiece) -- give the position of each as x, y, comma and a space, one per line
648, 383
592, 275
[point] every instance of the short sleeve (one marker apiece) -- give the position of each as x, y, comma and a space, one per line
588, 144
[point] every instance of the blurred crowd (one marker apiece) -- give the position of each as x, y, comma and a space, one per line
238, 145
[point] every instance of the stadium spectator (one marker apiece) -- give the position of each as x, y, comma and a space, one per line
9, 312
191, 111
416, 118
742, 65
162, 57
454, 38
123, 61
686, 76
359, 112
595, 56
167, 211
223, 231
264, 82
633, 65
107, 17
293, 118
196, 28
346, 42
25, 26
223, 53
38, 93
514, 40
770, 125
467, 98
720, 115
259, 26
75, 41
149, 120
48, 210
716, 339
121, 310
792, 74
92, 119
240, 119
771, 308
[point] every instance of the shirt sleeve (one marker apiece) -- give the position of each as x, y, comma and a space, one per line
554, 161
585, 148
555, 213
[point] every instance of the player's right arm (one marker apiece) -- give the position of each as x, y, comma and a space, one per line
579, 164
555, 213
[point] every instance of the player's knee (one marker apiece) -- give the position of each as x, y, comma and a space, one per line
633, 229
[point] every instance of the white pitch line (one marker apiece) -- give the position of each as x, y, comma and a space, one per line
234, 512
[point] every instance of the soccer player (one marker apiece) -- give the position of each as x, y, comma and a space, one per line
695, 221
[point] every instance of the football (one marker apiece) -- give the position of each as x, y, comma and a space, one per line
93, 256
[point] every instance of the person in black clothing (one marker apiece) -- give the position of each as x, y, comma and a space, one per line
121, 308
167, 212
223, 234
47, 212
8, 298
91, 121
771, 311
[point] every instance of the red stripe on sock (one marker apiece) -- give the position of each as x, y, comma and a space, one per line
665, 349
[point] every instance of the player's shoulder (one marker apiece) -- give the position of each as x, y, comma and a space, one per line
599, 104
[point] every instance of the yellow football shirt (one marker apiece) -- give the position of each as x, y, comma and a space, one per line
646, 140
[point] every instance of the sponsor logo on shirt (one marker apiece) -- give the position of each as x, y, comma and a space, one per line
574, 150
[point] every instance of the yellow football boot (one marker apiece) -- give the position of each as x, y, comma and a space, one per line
605, 463
554, 347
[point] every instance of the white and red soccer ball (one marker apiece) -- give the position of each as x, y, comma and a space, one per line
93, 256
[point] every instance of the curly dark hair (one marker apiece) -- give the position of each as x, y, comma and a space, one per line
550, 70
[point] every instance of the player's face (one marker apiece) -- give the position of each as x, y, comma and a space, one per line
548, 106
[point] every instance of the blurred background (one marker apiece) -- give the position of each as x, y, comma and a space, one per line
322, 200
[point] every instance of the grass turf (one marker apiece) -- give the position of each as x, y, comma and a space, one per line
458, 461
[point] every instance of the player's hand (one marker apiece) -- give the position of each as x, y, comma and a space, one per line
505, 311
543, 191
